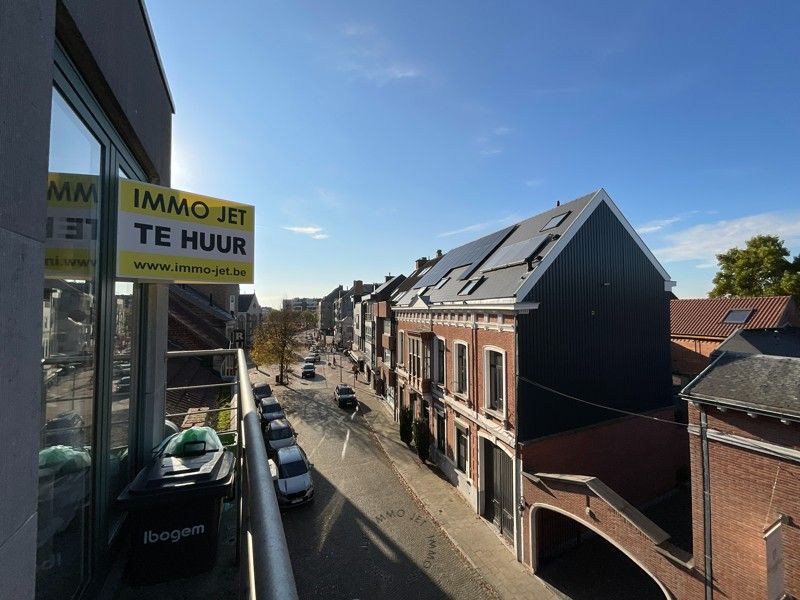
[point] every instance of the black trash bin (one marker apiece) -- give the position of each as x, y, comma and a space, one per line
175, 506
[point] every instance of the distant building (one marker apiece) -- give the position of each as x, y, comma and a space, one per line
300, 303
343, 316
699, 325
249, 315
325, 318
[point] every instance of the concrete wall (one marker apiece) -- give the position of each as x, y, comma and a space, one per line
26, 73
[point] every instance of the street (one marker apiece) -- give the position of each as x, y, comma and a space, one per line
364, 535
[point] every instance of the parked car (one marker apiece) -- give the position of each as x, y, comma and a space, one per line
279, 434
308, 371
270, 410
294, 485
262, 390
121, 385
344, 395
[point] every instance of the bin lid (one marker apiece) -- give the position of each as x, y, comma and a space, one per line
207, 474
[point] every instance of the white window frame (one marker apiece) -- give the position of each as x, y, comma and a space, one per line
440, 369
458, 425
486, 387
465, 393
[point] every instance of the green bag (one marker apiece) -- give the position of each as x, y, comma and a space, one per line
195, 440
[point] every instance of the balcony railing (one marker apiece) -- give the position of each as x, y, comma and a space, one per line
265, 570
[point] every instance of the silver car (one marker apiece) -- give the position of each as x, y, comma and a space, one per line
294, 485
279, 434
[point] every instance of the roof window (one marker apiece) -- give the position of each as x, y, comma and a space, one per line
440, 285
470, 287
737, 315
555, 221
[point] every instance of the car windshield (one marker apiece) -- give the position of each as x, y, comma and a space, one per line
292, 469
308, 367
262, 391
345, 391
282, 433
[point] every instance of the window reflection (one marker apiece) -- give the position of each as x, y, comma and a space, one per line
68, 350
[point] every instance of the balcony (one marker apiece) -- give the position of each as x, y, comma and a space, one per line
253, 559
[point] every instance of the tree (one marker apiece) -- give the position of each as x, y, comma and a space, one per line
763, 268
275, 340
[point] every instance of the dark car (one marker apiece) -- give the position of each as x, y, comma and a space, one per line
270, 410
308, 371
279, 434
262, 390
344, 395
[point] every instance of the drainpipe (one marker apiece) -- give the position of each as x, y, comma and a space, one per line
518, 500
709, 575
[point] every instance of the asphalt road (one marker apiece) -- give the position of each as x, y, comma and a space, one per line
364, 535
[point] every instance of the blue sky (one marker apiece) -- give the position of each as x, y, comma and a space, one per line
368, 134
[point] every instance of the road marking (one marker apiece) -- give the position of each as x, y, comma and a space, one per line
354, 412
346, 439
318, 444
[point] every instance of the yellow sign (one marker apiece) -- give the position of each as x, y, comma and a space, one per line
166, 234
71, 228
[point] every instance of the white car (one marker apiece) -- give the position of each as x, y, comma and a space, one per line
294, 485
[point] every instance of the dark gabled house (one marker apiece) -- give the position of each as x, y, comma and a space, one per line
522, 347
378, 332
249, 316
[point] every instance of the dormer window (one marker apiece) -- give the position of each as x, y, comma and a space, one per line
737, 316
440, 285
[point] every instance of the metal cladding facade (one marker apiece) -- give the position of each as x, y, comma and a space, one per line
600, 333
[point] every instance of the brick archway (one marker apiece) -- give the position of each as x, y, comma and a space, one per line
533, 513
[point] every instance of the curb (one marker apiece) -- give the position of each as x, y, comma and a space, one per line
488, 586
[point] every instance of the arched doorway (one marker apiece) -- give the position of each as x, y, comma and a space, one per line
580, 561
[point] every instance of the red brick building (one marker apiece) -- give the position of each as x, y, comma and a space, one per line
744, 424
699, 325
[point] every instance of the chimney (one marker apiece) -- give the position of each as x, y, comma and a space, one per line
420, 261
358, 287
558, 202
439, 254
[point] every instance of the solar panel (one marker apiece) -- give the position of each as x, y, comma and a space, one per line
470, 255
515, 253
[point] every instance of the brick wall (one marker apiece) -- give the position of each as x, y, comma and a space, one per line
637, 458
747, 490
690, 356
681, 582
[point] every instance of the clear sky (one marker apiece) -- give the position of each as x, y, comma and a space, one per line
368, 134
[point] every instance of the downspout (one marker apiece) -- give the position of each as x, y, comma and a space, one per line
709, 575
519, 504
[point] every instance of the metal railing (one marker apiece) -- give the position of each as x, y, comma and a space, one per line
265, 570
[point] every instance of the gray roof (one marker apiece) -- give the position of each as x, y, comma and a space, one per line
474, 259
750, 381
777, 342
385, 290
244, 302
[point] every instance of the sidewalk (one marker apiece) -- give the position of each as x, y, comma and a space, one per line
473, 537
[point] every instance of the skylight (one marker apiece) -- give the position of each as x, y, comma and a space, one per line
470, 287
737, 315
555, 221
440, 285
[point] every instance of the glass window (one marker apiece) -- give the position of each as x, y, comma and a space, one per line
461, 368
440, 435
737, 316
69, 338
462, 449
440, 361
555, 221
495, 380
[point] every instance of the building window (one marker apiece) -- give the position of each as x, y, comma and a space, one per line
737, 316
415, 358
495, 380
440, 366
555, 221
462, 448
401, 358
461, 368
441, 442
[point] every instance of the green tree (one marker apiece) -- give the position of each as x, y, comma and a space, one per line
276, 340
762, 268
